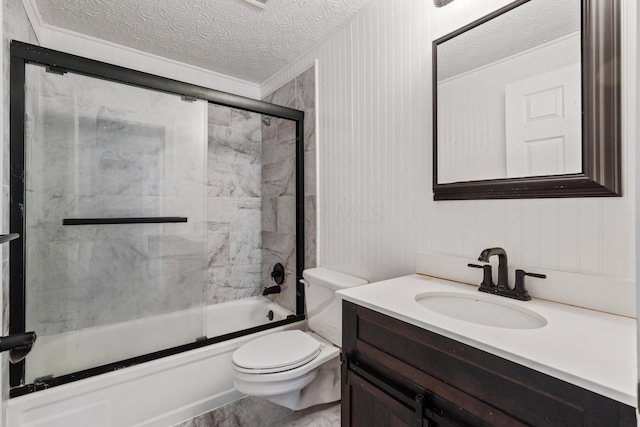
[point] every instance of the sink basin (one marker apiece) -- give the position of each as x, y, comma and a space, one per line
480, 309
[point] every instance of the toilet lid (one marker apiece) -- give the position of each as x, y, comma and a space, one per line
277, 350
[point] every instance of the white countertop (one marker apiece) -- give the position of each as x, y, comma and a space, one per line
591, 349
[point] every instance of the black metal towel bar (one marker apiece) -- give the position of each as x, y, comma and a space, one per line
130, 220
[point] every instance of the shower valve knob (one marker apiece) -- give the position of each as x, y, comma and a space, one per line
278, 274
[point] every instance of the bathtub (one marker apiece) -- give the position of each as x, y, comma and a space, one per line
161, 392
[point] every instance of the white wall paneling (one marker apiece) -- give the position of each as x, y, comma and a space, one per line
376, 206
372, 182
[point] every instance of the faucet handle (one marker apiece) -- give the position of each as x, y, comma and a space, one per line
519, 288
487, 277
520, 277
539, 276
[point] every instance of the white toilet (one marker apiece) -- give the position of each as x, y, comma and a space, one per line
299, 369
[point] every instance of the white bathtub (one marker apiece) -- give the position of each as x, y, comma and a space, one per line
161, 392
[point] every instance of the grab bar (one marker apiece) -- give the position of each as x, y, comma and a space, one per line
129, 220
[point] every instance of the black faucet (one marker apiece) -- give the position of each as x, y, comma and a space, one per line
503, 269
272, 290
277, 276
502, 288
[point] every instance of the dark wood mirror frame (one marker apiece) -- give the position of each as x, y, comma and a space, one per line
601, 119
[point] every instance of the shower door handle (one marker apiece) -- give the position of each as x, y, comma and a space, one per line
18, 345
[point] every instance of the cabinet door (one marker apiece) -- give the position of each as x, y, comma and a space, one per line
363, 404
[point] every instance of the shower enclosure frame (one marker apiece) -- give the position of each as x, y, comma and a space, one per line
61, 62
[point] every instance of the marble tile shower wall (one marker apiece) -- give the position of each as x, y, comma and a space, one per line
100, 149
278, 184
234, 190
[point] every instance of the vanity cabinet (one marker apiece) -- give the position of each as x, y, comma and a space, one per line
397, 374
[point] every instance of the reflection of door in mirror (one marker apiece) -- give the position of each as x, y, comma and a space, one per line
474, 69
543, 124
566, 57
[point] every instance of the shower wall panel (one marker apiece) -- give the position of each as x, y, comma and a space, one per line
97, 149
234, 192
278, 185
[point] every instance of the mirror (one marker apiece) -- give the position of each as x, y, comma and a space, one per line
526, 103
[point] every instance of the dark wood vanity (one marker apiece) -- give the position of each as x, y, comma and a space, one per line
397, 374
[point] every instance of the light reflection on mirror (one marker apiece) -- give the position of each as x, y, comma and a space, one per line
509, 95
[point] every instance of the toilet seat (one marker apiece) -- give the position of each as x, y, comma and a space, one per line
277, 352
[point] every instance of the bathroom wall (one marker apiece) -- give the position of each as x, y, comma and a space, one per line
373, 139
278, 185
234, 190
375, 201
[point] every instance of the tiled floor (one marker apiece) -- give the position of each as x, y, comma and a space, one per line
254, 412
318, 416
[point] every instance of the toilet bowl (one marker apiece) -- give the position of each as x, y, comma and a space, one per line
299, 369
296, 368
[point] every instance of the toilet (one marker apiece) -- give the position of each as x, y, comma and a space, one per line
299, 369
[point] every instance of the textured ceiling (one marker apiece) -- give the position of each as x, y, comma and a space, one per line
525, 27
231, 37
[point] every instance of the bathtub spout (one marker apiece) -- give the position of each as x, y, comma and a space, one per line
271, 290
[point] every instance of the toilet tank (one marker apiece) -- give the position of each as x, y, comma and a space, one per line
324, 309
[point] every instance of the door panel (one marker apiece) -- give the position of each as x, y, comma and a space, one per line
543, 124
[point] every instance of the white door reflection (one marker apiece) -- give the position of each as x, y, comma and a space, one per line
543, 124
536, 41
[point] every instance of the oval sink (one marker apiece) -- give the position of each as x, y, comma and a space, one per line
481, 310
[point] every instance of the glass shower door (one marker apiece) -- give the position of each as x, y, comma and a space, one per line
115, 221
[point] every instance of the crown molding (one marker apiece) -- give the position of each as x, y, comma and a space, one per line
34, 17
62, 39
